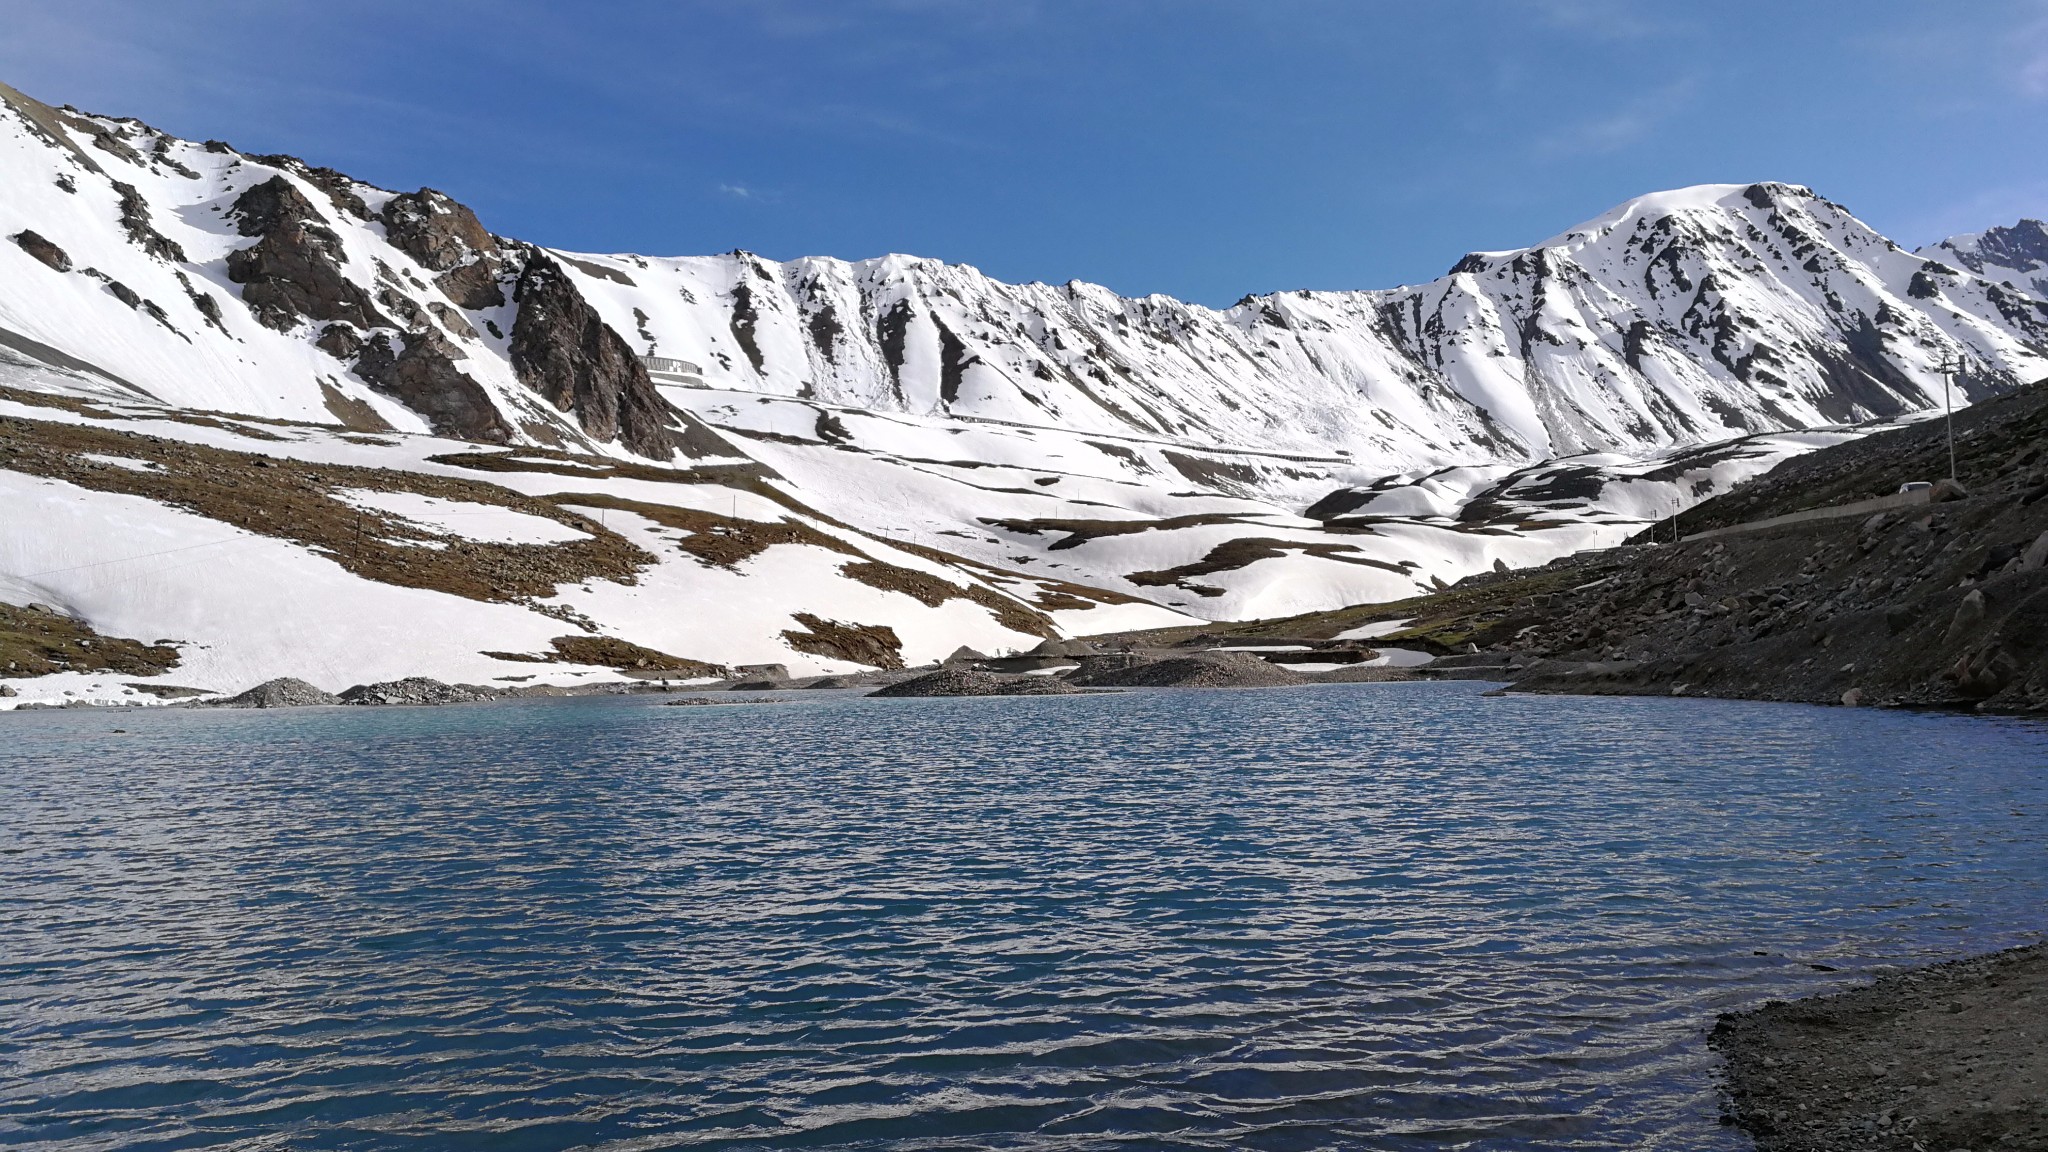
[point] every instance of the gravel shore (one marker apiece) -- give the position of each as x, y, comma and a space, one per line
1930, 1060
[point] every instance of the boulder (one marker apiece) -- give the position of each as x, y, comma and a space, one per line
1946, 489
2036, 554
1968, 615
965, 655
35, 245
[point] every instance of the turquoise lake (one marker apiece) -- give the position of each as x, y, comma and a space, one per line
1399, 916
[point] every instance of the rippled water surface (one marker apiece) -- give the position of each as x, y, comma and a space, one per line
1358, 916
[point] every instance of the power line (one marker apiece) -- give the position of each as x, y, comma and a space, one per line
125, 559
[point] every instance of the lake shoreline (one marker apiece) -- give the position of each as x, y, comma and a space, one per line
1950, 1056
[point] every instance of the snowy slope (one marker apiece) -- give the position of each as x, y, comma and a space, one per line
828, 464
1677, 318
2016, 257
211, 279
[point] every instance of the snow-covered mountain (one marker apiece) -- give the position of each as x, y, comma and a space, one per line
2016, 257
786, 460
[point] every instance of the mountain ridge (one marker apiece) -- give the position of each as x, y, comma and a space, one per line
1682, 316
829, 465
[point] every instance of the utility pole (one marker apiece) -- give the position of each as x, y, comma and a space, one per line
1950, 365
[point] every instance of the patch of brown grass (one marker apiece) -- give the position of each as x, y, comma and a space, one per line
351, 413
296, 501
70, 404
556, 462
875, 645
612, 652
1232, 555
35, 642
933, 591
1079, 532
720, 541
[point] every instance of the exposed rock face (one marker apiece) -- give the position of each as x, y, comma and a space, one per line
42, 249
2017, 255
446, 237
423, 377
415, 690
293, 272
563, 350
283, 692
135, 221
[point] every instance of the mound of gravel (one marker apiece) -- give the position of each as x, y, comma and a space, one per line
963, 682
1201, 670
415, 690
1358, 675
283, 692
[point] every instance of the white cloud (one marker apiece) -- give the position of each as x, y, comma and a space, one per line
1605, 19
1621, 128
2033, 70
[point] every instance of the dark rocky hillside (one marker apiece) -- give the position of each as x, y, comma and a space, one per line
1943, 604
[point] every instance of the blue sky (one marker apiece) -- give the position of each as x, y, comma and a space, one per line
1201, 148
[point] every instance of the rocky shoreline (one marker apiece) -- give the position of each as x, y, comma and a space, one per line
1938, 1059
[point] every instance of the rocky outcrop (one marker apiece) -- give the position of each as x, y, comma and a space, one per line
294, 271
42, 249
2017, 255
445, 237
135, 221
563, 350
421, 374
